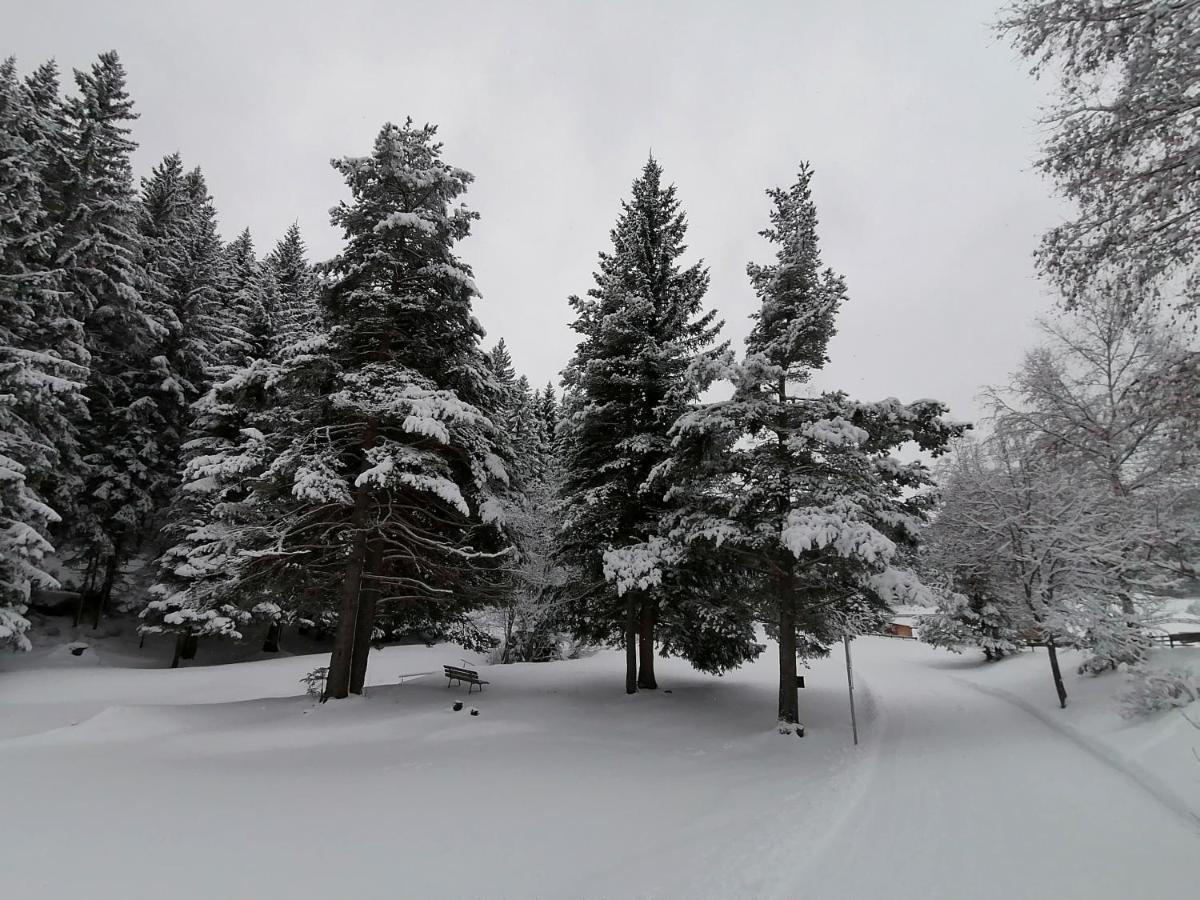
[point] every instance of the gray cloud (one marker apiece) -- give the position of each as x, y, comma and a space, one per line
919, 122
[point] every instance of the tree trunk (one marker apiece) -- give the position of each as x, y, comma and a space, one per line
645, 679
337, 685
191, 643
631, 638
510, 623
110, 577
274, 634
789, 699
1058, 680
86, 589
179, 639
369, 598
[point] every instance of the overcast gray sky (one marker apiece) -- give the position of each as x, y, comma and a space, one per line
919, 122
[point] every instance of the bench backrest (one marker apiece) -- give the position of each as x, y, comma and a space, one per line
456, 672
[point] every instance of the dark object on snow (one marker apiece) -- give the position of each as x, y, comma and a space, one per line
799, 731
474, 712
77, 649
469, 677
54, 603
799, 681
271, 641
458, 704
667, 691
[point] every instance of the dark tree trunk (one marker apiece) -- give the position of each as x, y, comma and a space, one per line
179, 641
191, 643
645, 679
789, 700
86, 589
337, 685
1058, 680
368, 599
271, 641
631, 643
110, 577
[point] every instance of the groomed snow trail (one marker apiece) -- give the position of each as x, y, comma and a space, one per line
974, 797
219, 781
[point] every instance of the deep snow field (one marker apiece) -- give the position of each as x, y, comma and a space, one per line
225, 781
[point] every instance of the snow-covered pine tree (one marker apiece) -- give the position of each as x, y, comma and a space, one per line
219, 516
39, 388
969, 612
225, 512
249, 303
548, 412
99, 253
794, 500
184, 295
50, 327
530, 617
297, 314
641, 326
399, 476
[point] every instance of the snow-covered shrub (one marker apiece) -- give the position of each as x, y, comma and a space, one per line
314, 682
1152, 690
970, 621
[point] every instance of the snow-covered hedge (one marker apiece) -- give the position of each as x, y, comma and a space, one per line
1151, 690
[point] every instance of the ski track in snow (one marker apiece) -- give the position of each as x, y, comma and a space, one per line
1120, 764
221, 781
969, 802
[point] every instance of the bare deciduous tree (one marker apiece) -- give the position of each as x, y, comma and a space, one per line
1124, 144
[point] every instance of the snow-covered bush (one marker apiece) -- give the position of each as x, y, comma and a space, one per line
963, 620
314, 682
1152, 690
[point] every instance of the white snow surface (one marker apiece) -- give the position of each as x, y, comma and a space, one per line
225, 781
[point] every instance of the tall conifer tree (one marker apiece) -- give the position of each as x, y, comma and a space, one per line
98, 251
790, 502
641, 326
39, 381
398, 473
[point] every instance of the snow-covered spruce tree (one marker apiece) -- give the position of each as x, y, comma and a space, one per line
530, 620
296, 313
398, 476
219, 516
793, 501
223, 515
250, 302
99, 253
185, 295
1047, 539
970, 620
39, 388
640, 328
969, 612
184, 271
548, 411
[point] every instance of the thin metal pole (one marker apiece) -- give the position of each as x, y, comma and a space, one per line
850, 684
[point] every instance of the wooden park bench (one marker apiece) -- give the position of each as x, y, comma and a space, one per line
1182, 638
469, 677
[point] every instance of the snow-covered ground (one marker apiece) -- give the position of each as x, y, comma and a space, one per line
224, 781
